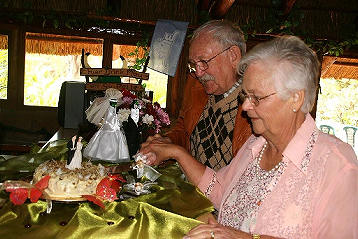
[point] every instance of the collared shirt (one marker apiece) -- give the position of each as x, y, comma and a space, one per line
318, 199
234, 87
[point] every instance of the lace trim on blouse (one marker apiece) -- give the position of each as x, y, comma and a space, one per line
240, 208
209, 189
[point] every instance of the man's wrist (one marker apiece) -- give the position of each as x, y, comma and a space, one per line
256, 236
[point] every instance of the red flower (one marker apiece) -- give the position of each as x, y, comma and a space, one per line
156, 104
150, 109
106, 190
19, 195
127, 93
94, 199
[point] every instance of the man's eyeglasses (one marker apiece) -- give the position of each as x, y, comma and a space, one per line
203, 64
254, 100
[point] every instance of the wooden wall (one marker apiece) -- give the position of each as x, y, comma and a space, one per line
12, 111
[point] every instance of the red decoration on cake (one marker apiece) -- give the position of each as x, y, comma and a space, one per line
18, 195
107, 190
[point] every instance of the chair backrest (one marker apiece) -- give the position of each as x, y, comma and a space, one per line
327, 129
70, 113
350, 133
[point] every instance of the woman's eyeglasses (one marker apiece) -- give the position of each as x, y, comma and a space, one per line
254, 100
203, 64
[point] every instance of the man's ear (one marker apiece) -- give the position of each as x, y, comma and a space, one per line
235, 55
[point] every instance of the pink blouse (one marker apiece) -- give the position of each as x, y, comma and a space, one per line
316, 196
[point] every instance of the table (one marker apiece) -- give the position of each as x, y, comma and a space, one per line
170, 211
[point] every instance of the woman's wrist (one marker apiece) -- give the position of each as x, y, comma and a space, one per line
178, 153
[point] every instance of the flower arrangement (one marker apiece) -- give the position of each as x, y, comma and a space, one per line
152, 118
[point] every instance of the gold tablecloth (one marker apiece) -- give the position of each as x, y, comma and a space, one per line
168, 212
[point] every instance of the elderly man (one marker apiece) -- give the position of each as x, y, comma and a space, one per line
210, 125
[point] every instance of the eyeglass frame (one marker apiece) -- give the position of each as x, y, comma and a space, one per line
205, 63
253, 99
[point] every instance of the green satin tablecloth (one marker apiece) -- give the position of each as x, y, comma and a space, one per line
168, 212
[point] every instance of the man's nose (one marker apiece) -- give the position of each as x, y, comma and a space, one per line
199, 72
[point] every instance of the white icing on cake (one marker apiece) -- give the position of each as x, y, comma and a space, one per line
65, 183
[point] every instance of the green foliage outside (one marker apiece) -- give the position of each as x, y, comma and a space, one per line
140, 61
338, 101
158, 84
3, 73
44, 75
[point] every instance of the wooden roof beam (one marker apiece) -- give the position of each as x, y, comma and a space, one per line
220, 8
288, 6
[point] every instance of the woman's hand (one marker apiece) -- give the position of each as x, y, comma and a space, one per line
158, 138
215, 230
158, 149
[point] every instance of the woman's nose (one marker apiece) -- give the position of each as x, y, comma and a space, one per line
246, 105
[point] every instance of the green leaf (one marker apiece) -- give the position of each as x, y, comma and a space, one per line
68, 24
55, 23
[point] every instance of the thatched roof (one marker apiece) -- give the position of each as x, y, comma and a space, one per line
339, 67
4, 42
68, 45
62, 45
319, 19
332, 19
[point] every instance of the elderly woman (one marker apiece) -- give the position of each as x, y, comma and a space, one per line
289, 180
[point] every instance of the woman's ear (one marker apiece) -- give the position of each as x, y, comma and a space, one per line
297, 100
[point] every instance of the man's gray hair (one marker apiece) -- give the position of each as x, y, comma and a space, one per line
225, 32
297, 67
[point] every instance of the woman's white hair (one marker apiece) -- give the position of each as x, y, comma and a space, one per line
296, 67
224, 32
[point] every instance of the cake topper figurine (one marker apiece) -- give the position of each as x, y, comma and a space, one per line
74, 159
132, 130
109, 142
71, 145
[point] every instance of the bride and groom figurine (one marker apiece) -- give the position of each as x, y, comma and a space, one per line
132, 130
74, 159
109, 142
115, 141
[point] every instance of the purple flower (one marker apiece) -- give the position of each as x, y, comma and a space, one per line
162, 115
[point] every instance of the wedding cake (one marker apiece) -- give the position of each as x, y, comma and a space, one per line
70, 184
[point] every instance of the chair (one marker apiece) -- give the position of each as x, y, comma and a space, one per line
350, 132
327, 129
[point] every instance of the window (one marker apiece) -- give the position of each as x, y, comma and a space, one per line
337, 109
4, 65
52, 59
157, 81
158, 84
